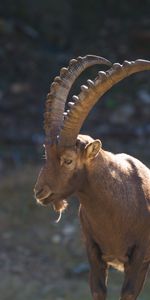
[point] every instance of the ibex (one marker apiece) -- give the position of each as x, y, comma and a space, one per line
114, 190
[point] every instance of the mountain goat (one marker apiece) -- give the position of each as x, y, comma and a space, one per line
114, 190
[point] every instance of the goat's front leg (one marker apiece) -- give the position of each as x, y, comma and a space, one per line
98, 268
135, 273
98, 272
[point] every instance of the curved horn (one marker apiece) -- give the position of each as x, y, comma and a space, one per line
91, 93
56, 99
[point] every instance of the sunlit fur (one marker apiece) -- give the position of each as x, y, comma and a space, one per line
114, 194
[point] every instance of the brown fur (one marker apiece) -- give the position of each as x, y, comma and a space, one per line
114, 193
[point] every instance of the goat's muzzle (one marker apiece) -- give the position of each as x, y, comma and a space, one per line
42, 195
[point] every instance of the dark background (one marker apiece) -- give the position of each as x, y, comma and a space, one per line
39, 37
39, 259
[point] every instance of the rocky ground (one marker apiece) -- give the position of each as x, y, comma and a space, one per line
39, 259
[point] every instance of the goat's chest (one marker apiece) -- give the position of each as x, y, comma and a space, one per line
113, 241
110, 231
113, 248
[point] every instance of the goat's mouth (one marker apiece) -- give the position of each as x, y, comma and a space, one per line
45, 200
46, 197
43, 195
50, 199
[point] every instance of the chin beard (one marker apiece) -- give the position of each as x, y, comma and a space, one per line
60, 205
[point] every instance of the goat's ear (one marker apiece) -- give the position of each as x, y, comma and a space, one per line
92, 149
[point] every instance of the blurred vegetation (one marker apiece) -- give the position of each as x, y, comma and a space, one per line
85, 18
39, 37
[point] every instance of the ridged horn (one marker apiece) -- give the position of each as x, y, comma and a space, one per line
56, 99
92, 93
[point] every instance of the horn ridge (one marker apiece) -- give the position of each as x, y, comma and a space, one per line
59, 90
88, 97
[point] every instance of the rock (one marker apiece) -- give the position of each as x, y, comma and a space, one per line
19, 87
81, 268
139, 131
68, 230
56, 238
144, 96
27, 30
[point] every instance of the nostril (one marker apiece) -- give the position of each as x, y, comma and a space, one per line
42, 192
39, 192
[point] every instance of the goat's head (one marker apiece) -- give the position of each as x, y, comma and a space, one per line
63, 172
67, 153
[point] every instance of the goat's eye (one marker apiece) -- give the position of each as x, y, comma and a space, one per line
67, 161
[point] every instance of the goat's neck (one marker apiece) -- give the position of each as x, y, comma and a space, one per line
97, 191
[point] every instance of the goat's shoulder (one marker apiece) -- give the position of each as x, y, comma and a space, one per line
124, 164
130, 162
